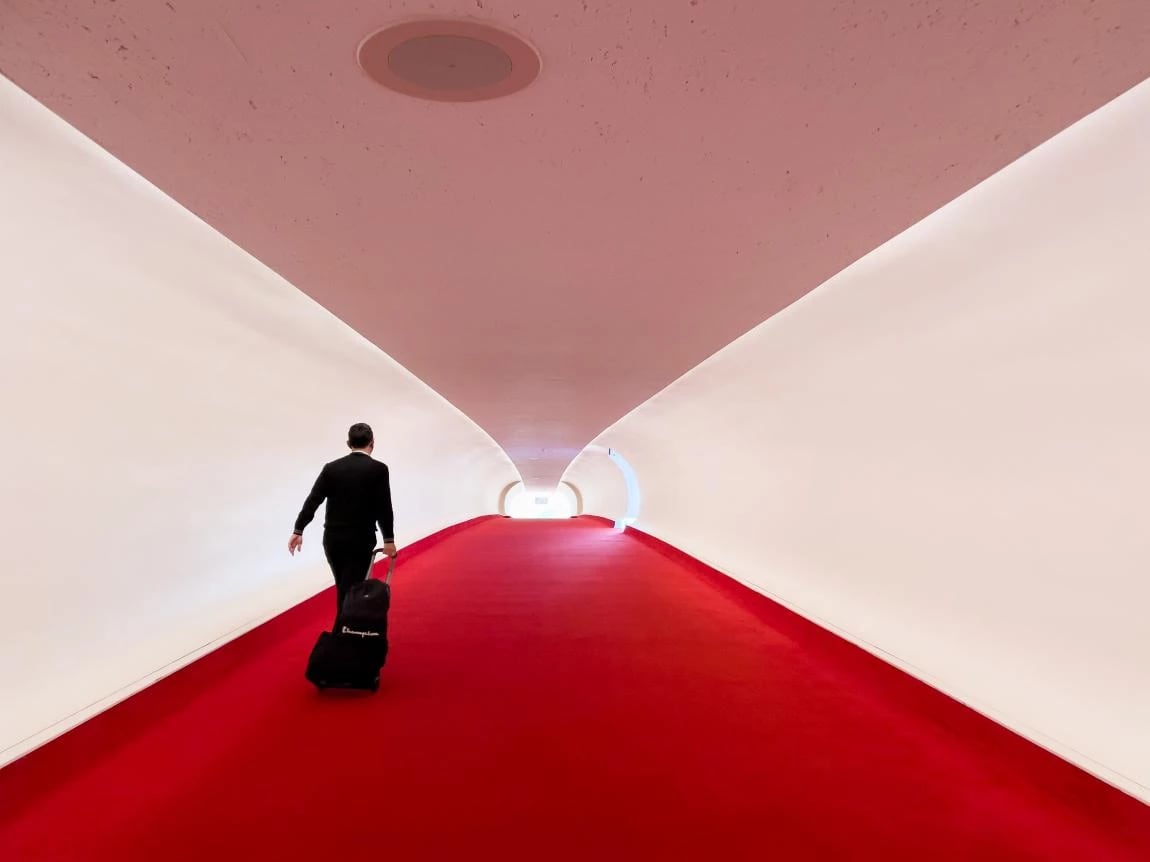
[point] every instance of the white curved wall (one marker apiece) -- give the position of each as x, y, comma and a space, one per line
944, 452
167, 403
600, 482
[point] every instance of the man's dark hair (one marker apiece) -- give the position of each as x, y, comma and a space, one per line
359, 436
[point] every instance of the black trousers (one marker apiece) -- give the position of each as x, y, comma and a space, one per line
349, 555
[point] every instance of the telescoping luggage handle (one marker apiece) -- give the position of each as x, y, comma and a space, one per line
390, 565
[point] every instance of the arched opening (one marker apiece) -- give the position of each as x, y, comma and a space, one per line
566, 486
518, 502
632, 483
504, 494
613, 495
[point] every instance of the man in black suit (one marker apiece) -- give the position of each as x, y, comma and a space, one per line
358, 493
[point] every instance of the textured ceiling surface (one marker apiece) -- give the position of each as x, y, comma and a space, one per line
679, 171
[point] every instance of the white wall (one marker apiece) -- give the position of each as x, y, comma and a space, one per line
167, 404
600, 481
944, 452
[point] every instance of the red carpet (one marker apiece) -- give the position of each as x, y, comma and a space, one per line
557, 691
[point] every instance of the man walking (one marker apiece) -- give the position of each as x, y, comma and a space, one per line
358, 493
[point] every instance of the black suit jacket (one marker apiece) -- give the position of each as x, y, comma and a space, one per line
358, 493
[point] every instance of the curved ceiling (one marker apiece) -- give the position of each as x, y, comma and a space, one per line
549, 260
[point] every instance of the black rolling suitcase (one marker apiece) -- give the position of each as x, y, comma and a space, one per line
353, 655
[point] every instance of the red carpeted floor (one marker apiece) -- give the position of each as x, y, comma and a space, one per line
557, 691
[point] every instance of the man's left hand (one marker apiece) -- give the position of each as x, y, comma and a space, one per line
390, 550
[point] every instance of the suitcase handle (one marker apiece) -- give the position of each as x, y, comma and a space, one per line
390, 565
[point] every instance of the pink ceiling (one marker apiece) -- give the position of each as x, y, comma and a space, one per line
681, 170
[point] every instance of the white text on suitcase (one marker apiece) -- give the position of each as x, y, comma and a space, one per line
348, 631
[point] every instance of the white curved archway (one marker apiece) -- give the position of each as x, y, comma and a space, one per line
608, 483
631, 480
518, 502
575, 493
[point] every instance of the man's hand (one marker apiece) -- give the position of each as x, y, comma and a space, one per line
389, 549
295, 543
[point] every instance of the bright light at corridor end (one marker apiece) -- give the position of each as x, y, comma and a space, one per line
524, 504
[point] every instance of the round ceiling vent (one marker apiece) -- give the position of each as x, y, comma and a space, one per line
448, 61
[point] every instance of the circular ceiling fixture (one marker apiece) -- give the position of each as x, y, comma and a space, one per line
448, 61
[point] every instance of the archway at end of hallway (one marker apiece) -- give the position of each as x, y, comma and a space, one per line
515, 501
